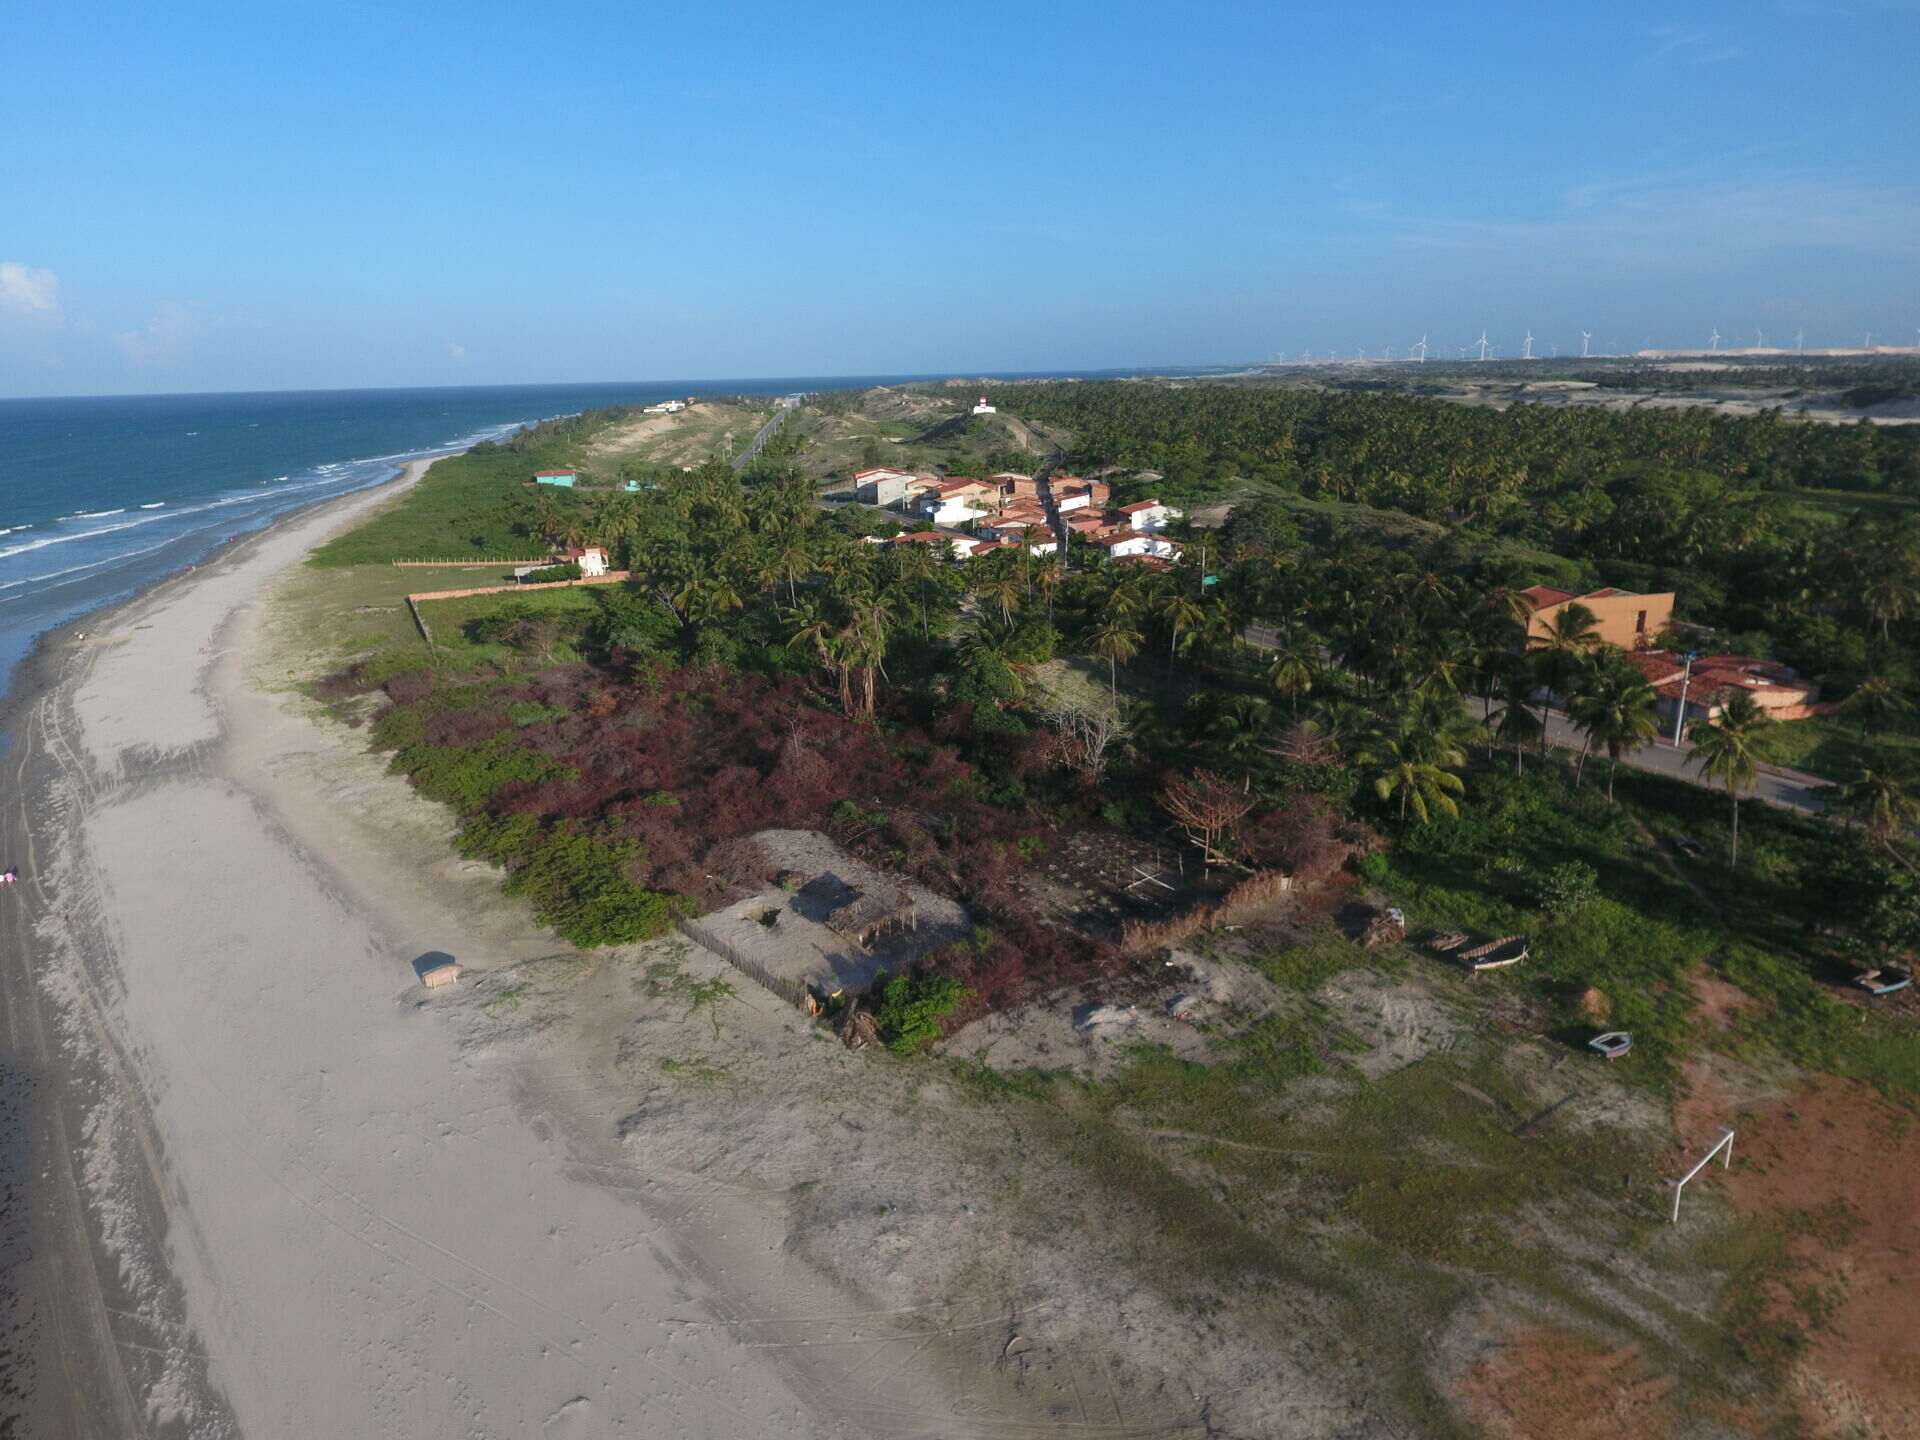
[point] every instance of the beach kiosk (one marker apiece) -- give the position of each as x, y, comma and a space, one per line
438, 977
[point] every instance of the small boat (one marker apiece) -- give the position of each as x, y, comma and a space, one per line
1612, 1045
1495, 954
1885, 980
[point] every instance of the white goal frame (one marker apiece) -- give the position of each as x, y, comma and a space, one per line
1722, 1147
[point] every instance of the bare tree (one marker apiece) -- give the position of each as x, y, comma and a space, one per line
1084, 738
1207, 807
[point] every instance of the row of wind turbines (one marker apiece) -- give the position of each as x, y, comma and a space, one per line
1417, 352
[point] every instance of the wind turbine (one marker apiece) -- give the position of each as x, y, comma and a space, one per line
1526, 347
1482, 343
1800, 338
1759, 339
1869, 344
1713, 340
1422, 348
1586, 338
1389, 352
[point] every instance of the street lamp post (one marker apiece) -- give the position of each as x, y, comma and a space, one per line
1680, 716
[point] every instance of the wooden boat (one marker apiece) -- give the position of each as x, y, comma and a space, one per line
1885, 980
1494, 954
1612, 1045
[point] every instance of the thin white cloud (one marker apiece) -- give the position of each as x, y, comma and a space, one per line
28, 289
1691, 45
167, 334
457, 351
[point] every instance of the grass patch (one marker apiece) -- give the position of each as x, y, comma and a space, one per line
1833, 749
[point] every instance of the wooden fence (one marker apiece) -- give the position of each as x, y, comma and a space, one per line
607, 579
1260, 888
791, 991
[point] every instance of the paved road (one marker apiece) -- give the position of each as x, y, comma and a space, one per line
745, 457
1787, 788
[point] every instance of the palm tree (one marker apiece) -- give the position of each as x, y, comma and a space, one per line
1884, 802
1619, 711
1416, 761
1113, 641
1876, 706
1725, 749
1515, 723
1001, 586
1179, 613
1236, 728
1292, 670
792, 558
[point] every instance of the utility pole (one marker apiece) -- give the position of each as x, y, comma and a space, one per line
1680, 716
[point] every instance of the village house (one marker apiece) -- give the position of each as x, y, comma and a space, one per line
1011, 525
944, 545
563, 478
1774, 687
1120, 544
1070, 492
1630, 621
958, 499
1149, 515
883, 486
592, 560
1015, 486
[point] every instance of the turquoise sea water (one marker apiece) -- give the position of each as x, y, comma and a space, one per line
102, 496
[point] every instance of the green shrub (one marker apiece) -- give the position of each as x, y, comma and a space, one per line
909, 1009
579, 886
1567, 888
527, 712
550, 573
468, 778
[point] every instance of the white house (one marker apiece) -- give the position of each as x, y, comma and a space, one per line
592, 559
884, 486
1149, 515
953, 501
983, 408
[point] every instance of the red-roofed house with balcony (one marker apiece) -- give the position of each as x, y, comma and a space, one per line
1070, 492
1630, 621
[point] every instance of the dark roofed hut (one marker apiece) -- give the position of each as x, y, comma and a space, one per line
866, 917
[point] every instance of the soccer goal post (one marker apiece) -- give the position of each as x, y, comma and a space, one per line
1723, 1147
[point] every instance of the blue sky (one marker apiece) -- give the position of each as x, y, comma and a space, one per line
296, 193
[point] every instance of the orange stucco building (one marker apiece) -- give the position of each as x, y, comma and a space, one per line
1625, 619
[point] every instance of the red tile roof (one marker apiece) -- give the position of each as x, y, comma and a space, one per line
1545, 597
1136, 509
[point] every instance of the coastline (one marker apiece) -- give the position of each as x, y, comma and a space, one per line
280, 1182
62, 1352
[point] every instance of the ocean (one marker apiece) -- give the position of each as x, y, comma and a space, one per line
102, 496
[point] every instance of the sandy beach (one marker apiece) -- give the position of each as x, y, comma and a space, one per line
282, 1191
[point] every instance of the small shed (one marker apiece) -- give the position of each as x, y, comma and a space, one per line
439, 976
868, 916
563, 478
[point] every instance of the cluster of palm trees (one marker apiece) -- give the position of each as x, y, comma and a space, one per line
1370, 652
